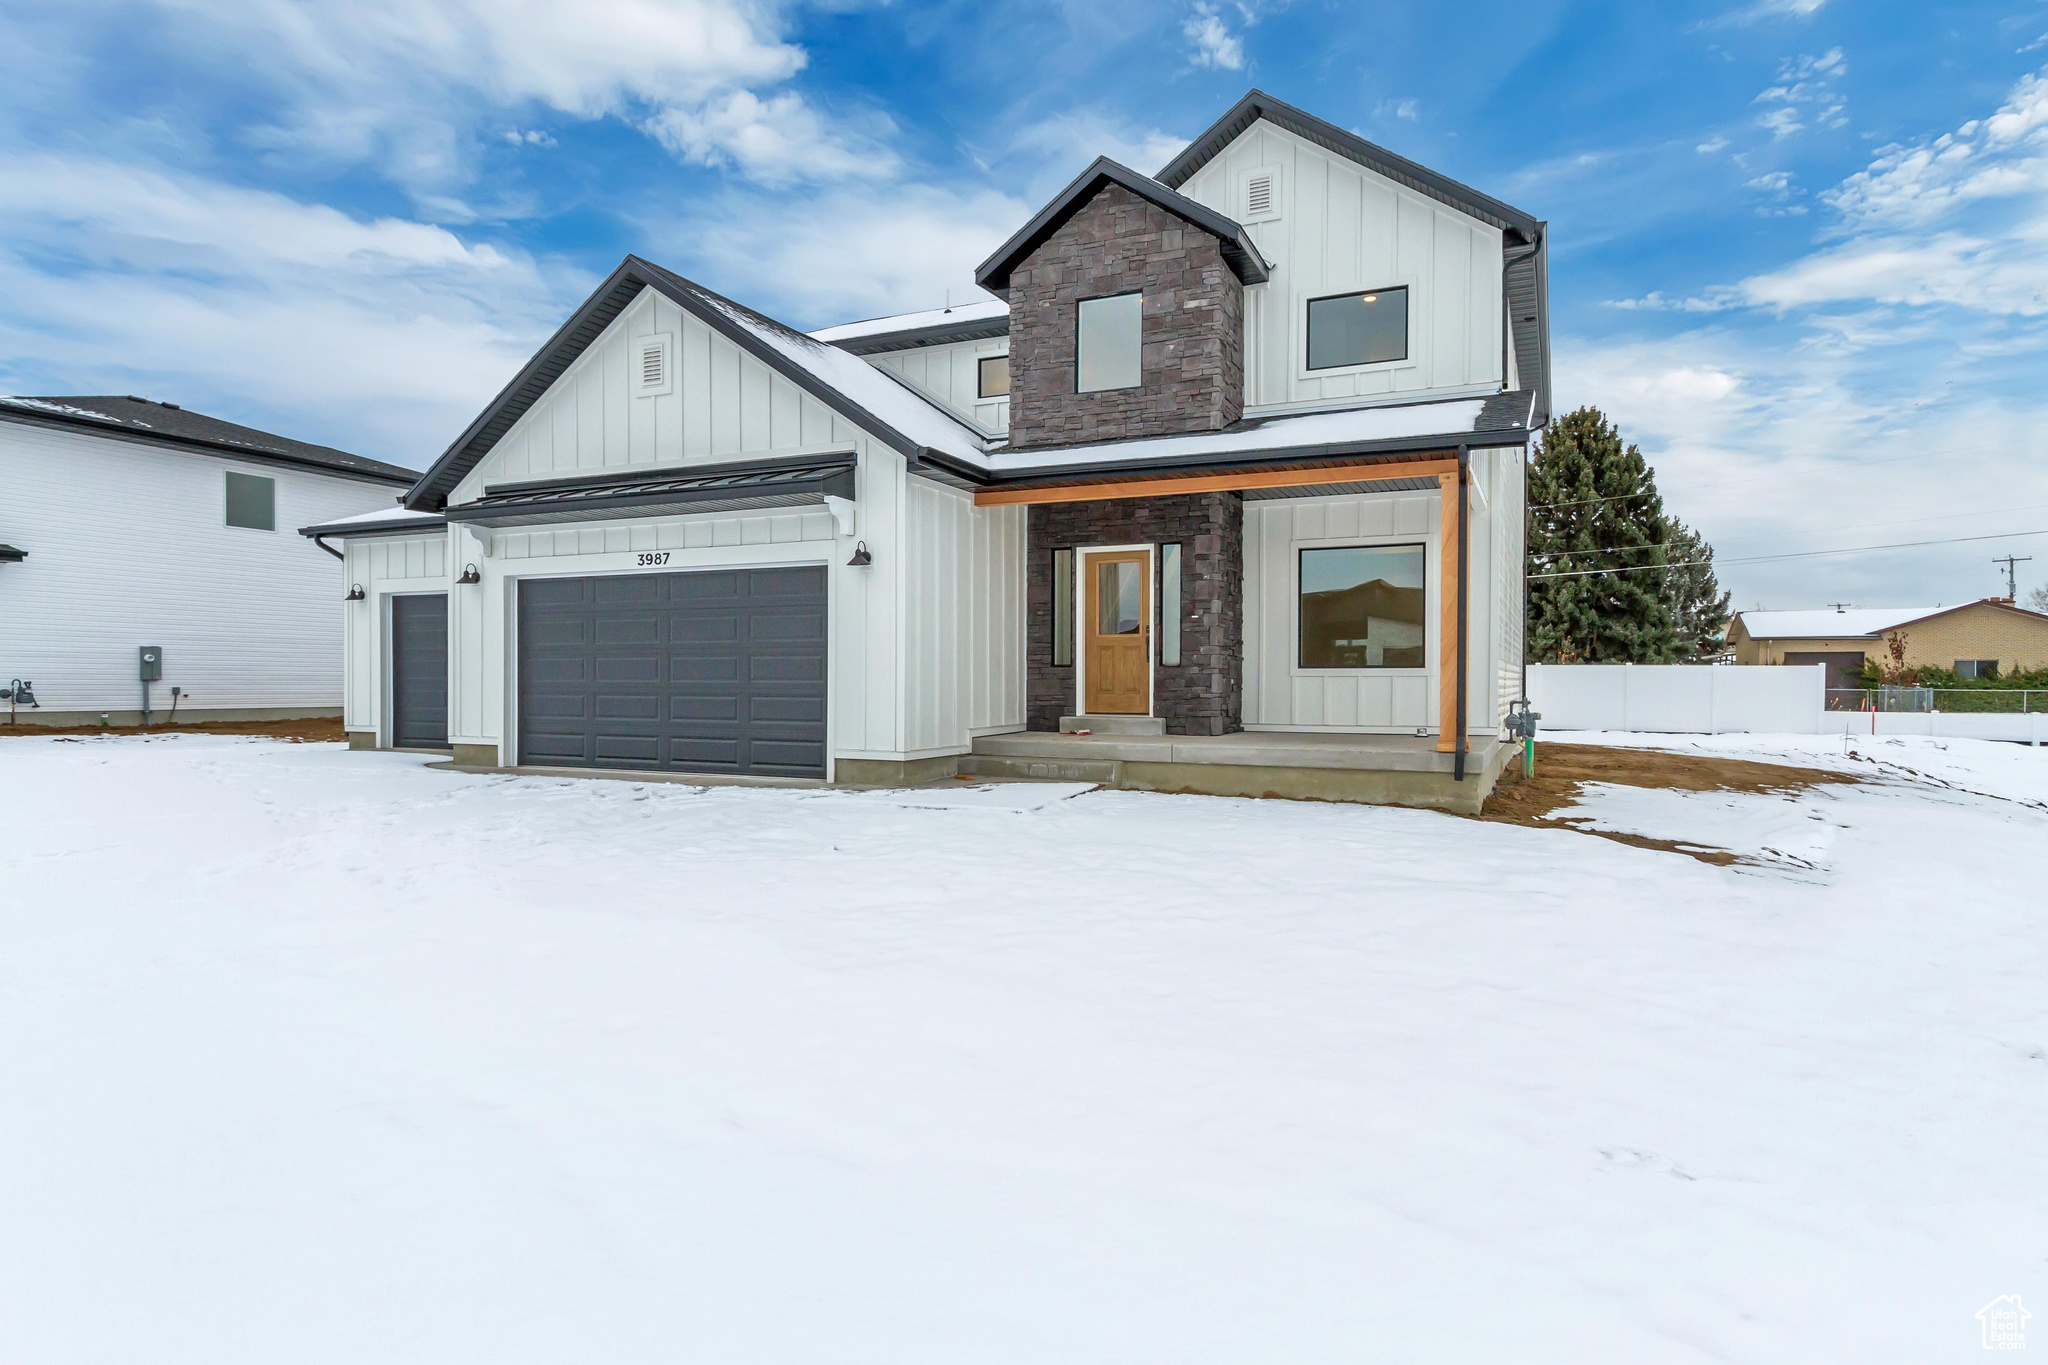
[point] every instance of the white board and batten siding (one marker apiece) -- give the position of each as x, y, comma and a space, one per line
950, 375
1335, 227
963, 620
384, 567
128, 545
1279, 694
722, 404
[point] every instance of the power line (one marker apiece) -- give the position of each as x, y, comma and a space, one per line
1765, 559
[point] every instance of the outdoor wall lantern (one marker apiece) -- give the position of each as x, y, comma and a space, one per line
861, 558
470, 575
355, 593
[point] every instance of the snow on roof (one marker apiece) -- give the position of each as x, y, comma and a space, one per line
881, 394
1828, 624
391, 515
67, 410
1280, 433
980, 310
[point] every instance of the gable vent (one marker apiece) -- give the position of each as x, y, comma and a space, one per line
1258, 196
652, 374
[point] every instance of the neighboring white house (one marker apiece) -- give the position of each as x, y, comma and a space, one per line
1232, 467
128, 524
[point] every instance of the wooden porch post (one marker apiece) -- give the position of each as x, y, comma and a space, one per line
1449, 591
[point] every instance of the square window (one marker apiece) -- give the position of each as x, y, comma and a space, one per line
1358, 329
1109, 346
993, 377
1363, 606
252, 501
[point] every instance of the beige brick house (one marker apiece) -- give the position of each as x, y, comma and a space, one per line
1974, 639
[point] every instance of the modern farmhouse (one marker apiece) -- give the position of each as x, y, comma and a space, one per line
148, 566
1222, 492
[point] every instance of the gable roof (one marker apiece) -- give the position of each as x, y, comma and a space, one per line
1856, 623
1525, 238
1239, 253
147, 422
1259, 105
871, 399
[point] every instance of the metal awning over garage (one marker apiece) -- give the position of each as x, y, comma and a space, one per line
669, 491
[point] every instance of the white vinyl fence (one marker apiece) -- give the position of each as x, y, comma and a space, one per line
1716, 699
1679, 698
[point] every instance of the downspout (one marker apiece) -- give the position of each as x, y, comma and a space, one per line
1464, 607
330, 549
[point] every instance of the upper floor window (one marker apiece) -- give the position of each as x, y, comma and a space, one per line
252, 501
993, 377
1358, 329
1108, 345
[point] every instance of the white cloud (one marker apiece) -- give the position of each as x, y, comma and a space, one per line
775, 141
1215, 46
1408, 109
381, 336
1063, 144
2003, 156
1804, 95
847, 253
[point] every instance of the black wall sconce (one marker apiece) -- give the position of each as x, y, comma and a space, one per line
861, 558
470, 575
355, 593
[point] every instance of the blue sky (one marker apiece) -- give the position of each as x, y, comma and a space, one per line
1801, 246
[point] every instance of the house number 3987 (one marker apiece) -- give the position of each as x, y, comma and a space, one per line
655, 557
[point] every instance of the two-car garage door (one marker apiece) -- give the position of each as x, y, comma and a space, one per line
698, 672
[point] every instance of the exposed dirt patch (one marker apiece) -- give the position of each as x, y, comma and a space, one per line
319, 729
1562, 768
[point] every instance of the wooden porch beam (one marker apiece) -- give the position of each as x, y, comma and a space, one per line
1174, 484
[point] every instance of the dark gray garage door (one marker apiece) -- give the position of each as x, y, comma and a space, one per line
699, 672
419, 671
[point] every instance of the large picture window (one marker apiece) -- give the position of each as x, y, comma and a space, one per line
1358, 329
1362, 606
1109, 343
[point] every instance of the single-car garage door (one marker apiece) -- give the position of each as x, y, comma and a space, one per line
699, 672
419, 671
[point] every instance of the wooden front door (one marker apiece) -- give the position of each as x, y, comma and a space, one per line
1117, 619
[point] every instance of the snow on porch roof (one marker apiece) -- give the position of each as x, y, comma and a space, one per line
1851, 623
970, 321
1408, 425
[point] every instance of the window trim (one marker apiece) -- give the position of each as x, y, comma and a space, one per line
1139, 294
1430, 631
1408, 361
230, 474
981, 393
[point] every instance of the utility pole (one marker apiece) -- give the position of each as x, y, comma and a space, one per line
2012, 583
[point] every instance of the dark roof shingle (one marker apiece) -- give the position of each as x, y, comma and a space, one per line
151, 422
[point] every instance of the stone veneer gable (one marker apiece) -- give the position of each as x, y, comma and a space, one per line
1193, 331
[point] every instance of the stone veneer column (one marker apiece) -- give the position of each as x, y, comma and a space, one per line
1204, 693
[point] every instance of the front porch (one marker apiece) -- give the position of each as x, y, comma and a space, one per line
1395, 770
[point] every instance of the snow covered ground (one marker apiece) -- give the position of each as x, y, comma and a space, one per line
318, 1056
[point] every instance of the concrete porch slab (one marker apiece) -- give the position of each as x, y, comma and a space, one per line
1251, 748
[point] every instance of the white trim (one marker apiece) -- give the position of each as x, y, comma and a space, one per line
1408, 399
1241, 192
1081, 553
1413, 360
1430, 629
665, 342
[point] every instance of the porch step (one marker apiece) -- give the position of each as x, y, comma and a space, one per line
1113, 725
1056, 769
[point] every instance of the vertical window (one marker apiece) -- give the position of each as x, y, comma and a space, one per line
1108, 344
1358, 329
1169, 604
1062, 608
252, 501
993, 379
1362, 607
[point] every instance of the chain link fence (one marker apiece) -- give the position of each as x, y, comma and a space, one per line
1996, 701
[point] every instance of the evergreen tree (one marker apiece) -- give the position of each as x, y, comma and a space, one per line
1699, 608
1594, 505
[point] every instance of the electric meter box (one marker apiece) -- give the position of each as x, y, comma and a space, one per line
152, 663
